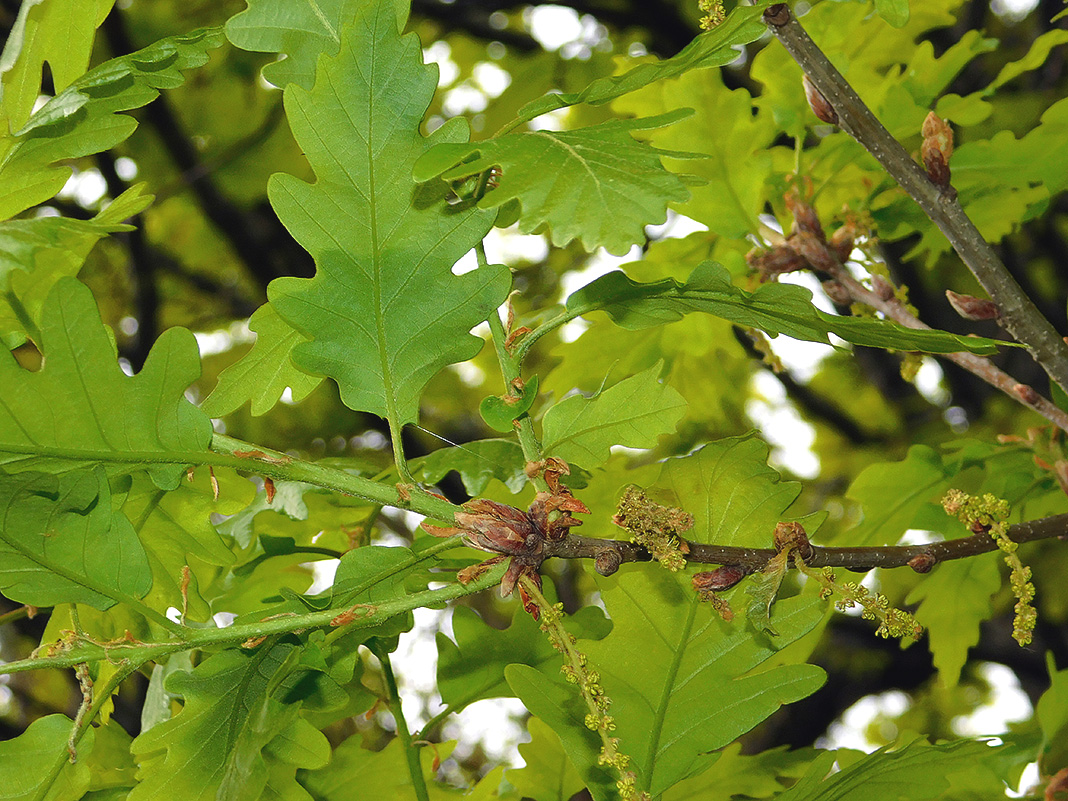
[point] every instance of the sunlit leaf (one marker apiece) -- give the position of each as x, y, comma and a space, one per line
265, 372
27, 763
384, 312
81, 409
954, 600
83, 118
634, 413
598, 184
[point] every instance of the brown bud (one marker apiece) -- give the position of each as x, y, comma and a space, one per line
774, 262
607, 561
842, 241
722, 578
882, 288
837, 293
972, 308
818, 103
805, 217
777, 15
814, 250
792, 534
922, 563
936, 149
1026, 394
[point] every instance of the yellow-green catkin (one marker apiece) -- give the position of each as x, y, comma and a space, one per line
577, 671
893, 622
990, 513
656, 528
713, 13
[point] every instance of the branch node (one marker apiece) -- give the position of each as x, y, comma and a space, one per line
777, 15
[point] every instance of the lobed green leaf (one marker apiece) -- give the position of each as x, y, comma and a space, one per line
635, 413
384, 312
597, 184
84, 118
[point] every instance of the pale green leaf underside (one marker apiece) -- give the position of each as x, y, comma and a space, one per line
81, 409
384, 312
635, 413
83, 118
597, 184
264, 373
61, 542
773, 308
27, 762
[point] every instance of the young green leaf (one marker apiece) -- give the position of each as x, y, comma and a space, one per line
773, 308
472, 668
682, 682
548, 774
477, 463
597, 184
384, 312
62, 542
734, 497
954, 600
84, 118
36, 764
264, 373
60, 32
299, 31
635, 413
236, 736
917, 771
358, 772
896, 12
81, 409
712, 48
40, 251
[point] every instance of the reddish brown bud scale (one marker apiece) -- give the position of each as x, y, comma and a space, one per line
805, 217
936, 149
718, 580
842, 240
775, 262
818, 103
972, 308
922, 563
837, 293
1026, 393
814, 250
792, 534
882, 288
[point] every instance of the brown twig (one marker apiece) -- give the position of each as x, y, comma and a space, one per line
1018, 314
895, 310
859, 560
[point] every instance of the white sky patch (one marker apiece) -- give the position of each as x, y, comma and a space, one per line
554, 26
490, 78
440, 53
1009, 704
1013, 9
550, 121
929, 382
221, 340
849, 731
85, 187
601, 263
780, 424
126, 168
676, 226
